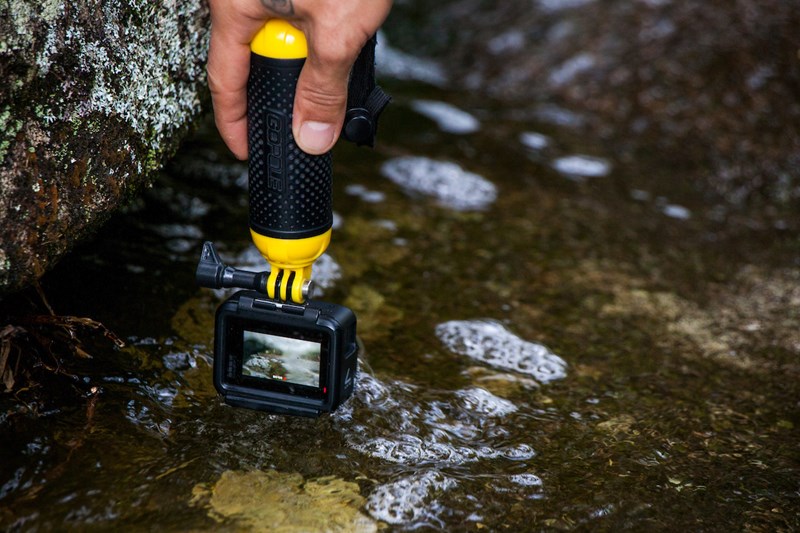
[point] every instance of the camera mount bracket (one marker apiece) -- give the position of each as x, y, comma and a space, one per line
214, 274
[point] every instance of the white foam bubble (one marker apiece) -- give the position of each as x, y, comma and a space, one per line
337, 220
485, 403
450, 184
572, 67
372, 197
491, 343
396, 64
413, 450
534, 141
178, 230
550, 6
553, 114
583, 166
676, 211
409, 499
448, 117
510, 41
526, 480
326, 272
248, 259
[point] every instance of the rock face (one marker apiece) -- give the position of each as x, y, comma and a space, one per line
94, 96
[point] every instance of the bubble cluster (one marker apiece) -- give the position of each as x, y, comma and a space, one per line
409, 499
450, 184
387, 421
483, 402
490, 342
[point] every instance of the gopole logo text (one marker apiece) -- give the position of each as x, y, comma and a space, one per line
276, 142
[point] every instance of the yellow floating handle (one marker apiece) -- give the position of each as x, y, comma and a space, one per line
280, 40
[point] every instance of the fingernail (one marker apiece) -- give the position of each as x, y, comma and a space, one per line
316, 137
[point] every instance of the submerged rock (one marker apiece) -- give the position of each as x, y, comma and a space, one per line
93, 99
275, 501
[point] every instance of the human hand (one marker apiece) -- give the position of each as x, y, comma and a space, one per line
336, 30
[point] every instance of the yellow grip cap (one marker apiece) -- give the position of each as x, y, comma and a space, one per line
280, 40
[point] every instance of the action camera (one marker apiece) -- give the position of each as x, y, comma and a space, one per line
287, 359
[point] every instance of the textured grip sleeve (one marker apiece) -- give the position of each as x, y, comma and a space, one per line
290, 190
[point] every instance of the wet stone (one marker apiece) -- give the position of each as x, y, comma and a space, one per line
375, 316
500, 383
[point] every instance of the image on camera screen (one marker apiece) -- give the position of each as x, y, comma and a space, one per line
281, 358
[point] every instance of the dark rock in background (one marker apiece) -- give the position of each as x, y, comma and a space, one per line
94, 97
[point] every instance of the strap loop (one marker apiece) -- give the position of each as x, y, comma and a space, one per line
365, 99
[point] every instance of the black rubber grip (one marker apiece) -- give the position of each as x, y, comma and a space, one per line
290, 190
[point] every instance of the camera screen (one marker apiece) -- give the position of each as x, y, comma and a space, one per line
278, 358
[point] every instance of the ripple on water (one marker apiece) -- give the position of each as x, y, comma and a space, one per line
450, 184
448, 117
392, 424
491, 343
423, 434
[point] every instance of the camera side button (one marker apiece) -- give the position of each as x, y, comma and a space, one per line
265, 304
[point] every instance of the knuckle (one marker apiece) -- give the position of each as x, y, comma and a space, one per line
335, 52
319, 96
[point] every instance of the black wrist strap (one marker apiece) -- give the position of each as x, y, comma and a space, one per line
365, 100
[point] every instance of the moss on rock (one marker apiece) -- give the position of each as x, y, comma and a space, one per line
94, 101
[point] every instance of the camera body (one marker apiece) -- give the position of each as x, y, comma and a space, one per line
283, 358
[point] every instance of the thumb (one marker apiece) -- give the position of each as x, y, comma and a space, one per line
320, 100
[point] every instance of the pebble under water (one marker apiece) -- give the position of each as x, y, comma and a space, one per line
538, 350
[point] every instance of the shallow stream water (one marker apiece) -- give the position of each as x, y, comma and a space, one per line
555, 334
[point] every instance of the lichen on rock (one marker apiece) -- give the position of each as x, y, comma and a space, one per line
94, 99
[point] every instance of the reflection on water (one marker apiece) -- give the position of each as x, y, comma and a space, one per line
538, 352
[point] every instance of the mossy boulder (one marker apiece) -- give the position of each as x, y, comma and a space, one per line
94, 97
